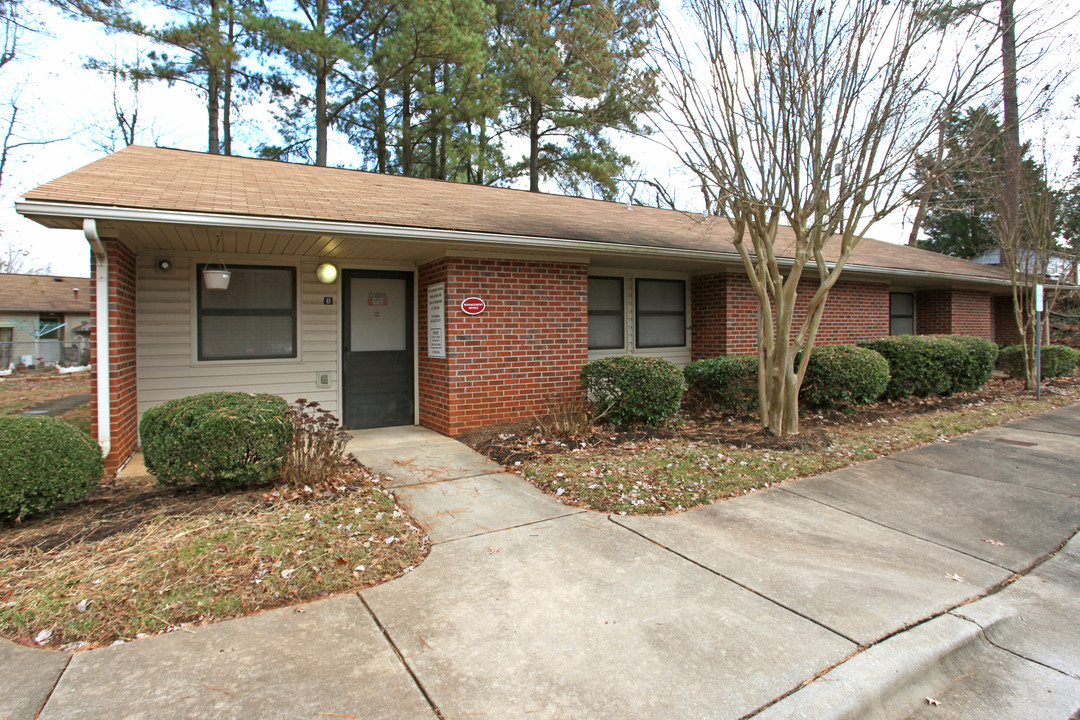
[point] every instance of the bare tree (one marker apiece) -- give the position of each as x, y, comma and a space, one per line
14, 260
809, 114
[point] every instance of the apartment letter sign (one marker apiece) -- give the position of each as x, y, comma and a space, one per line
436, 320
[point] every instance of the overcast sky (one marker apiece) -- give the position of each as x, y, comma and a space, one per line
61, 102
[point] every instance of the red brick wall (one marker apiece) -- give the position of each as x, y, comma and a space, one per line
1005, 330
953, 312
505, 364
708, 316
123, 400
725, 314
971, 313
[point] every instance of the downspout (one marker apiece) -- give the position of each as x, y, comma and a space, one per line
101, 299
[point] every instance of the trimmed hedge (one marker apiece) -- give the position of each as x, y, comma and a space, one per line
922, 365
728, 382
632, 389
220, 440
973, 368
44, 462
843, 376
1057, 360
836, 376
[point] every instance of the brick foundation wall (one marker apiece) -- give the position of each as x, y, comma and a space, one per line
725, 314
954, 312
505, 364
123, 398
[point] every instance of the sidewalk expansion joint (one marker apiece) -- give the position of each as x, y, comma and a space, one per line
56, 684
899, 530
760, 594
980, 477
401, 659
512, 527
437, 481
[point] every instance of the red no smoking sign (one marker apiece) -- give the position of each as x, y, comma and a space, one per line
473, 306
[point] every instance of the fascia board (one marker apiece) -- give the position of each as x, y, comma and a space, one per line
431, 235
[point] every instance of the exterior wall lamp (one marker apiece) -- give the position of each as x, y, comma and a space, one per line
326, 273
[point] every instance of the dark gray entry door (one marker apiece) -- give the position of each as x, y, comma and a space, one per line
377, 377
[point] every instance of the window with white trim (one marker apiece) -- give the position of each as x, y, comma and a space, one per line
606, 313
660, 313
901, 313
655, 313
254, 319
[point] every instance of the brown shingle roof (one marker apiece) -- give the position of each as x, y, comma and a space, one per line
44, 293
177, 180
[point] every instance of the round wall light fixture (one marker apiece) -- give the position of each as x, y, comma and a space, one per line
327, 273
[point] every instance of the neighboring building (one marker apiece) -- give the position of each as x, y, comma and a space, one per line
44, 320
394, 300
1059, 267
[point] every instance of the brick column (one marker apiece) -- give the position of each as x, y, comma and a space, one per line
123, 397
510, 362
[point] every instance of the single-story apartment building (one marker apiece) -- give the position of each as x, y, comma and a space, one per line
44, 320
394, 300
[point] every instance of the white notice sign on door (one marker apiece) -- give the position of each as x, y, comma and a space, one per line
436, 320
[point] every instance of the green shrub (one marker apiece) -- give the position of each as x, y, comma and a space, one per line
922, 365
220, 440
973, 367
729, 383
44, 462
633, 389
1057, 360
843, 375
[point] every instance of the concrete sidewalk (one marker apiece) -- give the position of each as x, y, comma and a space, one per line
856, 594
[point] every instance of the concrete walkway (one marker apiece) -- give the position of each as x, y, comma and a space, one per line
864, 593
54, 408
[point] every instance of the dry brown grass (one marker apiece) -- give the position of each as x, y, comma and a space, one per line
26, 389
137, 560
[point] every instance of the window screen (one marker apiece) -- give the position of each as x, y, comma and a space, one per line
255, 318
901, 313
661, 313
606, 313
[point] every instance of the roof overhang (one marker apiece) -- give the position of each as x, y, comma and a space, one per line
62, 214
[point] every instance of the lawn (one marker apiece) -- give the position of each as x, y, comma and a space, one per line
136, 559
701, 459
26, 389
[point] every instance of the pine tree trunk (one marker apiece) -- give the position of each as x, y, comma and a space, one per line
322, 121
406, 129
380, 130
213, 93
534, 145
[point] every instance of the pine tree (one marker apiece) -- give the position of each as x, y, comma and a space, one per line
573, 73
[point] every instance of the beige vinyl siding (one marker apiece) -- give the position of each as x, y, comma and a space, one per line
166, 332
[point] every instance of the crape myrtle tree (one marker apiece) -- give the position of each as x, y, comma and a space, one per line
808, 114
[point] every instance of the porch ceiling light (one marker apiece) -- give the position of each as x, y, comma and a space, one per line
327, 273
